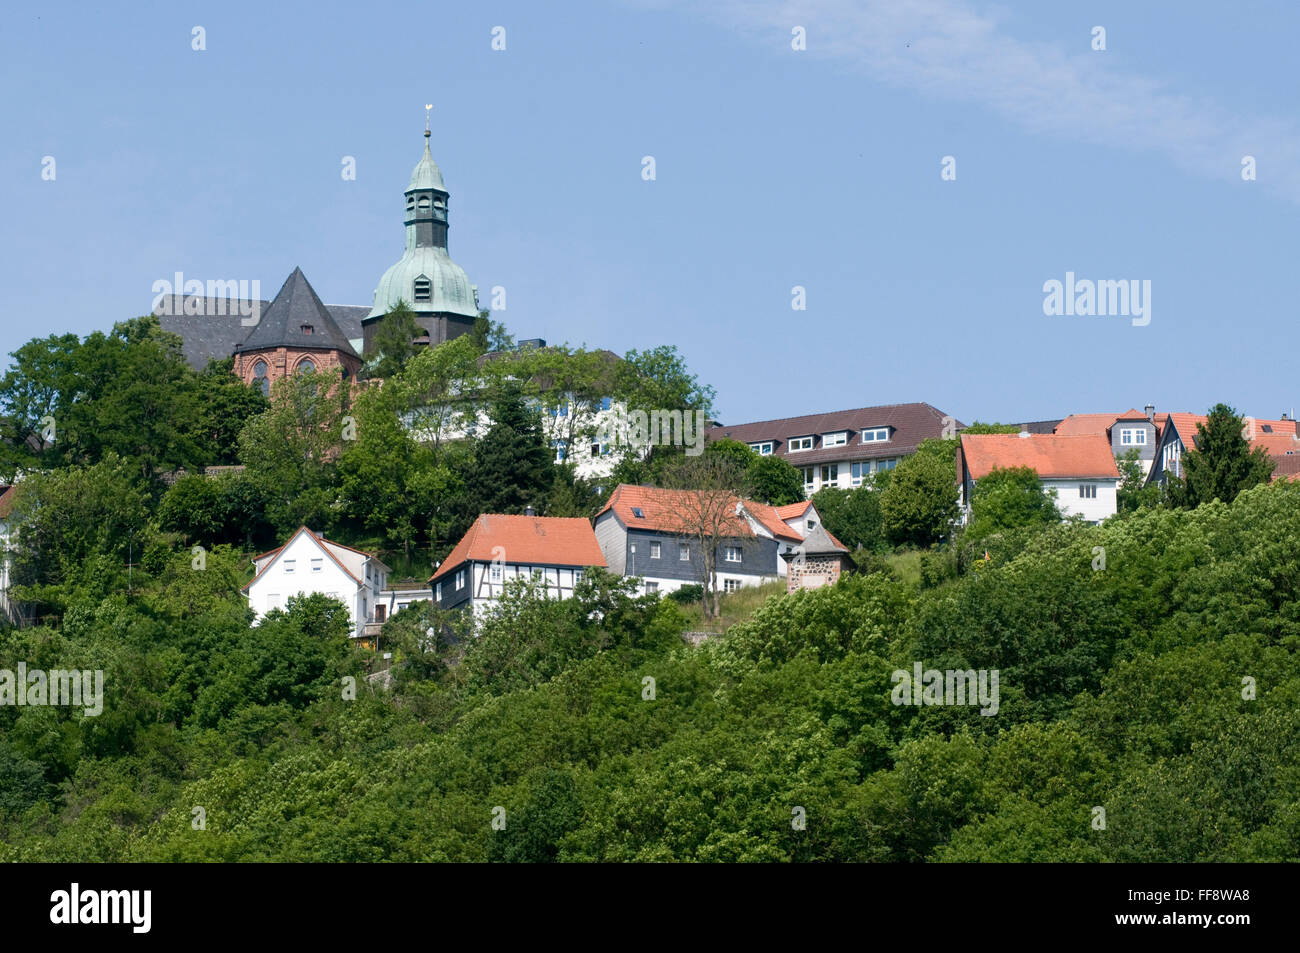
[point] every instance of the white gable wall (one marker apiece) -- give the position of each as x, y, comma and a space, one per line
291, 572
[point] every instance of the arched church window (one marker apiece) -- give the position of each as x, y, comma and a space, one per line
260, 380
423, 289
306, 366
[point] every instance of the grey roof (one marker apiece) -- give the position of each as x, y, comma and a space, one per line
818, 542
297, 318
217, 328
1039, 426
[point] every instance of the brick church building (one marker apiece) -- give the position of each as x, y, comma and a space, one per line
297, 333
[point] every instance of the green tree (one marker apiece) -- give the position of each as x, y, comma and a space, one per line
852, 516
919, 505
1134, 491
1221, 464
1008, 498
512, 466
774, 480
394, 341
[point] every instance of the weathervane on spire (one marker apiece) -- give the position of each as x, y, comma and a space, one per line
428, 107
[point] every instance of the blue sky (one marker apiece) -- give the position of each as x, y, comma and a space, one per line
775, 168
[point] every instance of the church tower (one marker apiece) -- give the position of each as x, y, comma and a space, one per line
432, 285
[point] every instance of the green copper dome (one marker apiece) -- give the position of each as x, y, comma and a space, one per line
449, 288
426, 278
427, 175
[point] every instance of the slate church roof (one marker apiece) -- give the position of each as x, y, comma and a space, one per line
218, 329
297, 318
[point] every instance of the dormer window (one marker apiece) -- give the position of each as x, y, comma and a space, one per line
423, 289
875, 435
835, 439
308, 329
799, 443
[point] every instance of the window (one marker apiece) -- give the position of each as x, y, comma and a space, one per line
423, 203
496, 572
423, 289
800, 443
306, 366
272, 601
857, 471
577, 576
595, 449
1087, 491
732, 554
638, 512
887, 464
762, 449
730, 585
437, 592
560, 450
835, 439
290, 565
460, 580
606, 403
410, 203
306, 328
1135, 437
809, 477
812, 524
380, 613
875, 435
651, 587
683, 553
316, 565
655, 549
260, 380
830, 474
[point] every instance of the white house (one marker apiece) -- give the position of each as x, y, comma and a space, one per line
307, 564
1080, 469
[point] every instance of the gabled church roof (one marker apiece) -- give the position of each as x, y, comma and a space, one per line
297, 318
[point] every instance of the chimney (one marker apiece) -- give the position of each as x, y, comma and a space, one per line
529, 511
1151, 412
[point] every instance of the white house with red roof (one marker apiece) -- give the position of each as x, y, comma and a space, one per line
1080, 469
552, 551
309, 563
1278, 438
647, 532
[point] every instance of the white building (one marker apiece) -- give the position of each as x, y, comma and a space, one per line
307, 564
1079, 469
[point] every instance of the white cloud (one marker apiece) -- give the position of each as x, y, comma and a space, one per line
947, 50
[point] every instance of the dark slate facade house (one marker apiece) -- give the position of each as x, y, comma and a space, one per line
845, 447
644, 532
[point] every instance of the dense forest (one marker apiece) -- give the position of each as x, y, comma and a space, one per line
1149, 697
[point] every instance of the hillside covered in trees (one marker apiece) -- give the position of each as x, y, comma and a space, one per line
1162, 688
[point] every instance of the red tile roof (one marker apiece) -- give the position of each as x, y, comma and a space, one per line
1078, 424
537, 540
1275, 436
770, 517
1286, 467
664, 511
794, 510
1051, 456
